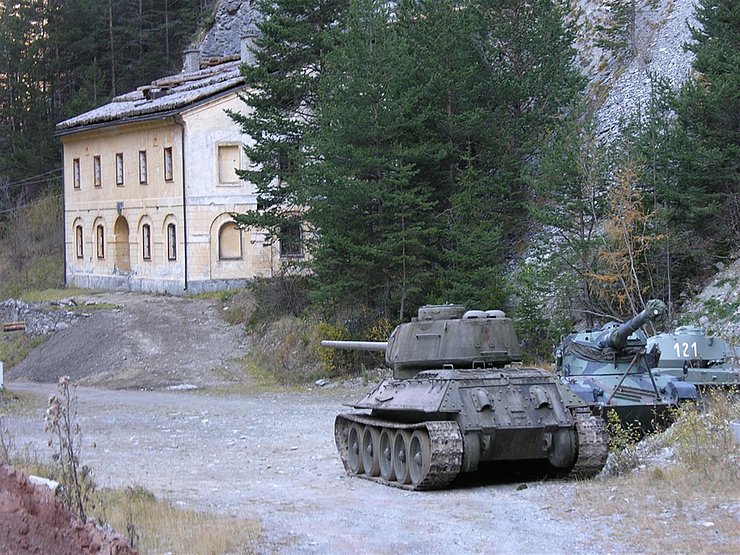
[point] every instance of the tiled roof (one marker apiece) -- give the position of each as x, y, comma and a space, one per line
163, 95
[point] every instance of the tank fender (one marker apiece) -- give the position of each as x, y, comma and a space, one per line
681, 391
587, 392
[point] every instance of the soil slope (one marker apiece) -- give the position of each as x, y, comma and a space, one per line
148, 342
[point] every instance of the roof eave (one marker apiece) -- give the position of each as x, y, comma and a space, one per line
147, 117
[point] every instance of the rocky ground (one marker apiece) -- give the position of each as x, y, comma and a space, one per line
134, 341
233, 450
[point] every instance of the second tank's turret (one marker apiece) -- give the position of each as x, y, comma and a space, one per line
617, 338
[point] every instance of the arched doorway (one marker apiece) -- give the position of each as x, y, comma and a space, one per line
123, 251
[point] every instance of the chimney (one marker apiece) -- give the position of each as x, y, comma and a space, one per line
248, 46
191, 59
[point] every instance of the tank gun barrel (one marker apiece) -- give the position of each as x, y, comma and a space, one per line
617, 339
356, 345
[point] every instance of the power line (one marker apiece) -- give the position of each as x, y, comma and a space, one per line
16, 208
35, 179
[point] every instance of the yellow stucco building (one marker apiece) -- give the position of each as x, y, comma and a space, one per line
149, 183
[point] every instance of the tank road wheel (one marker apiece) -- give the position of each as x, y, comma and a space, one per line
386, 455
354, 448
371, 450
419, 456
400, 456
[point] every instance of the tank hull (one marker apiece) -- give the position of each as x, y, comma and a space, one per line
690, 355
421, 433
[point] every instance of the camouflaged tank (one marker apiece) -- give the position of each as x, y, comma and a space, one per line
612, 368
454, 403
691, 355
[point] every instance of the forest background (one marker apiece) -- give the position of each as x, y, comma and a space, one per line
441, 152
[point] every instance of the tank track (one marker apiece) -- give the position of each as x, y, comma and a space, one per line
593, 445
446, 443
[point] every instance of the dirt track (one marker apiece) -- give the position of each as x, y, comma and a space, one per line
272, 456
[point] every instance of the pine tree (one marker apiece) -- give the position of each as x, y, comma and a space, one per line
295, 36
708, 124
371, 212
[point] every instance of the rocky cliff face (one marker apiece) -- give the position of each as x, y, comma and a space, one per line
653, 38
232, 19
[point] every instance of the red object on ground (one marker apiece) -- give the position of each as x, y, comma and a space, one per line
34, 521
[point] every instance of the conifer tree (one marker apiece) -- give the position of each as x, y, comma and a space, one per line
372, 214
708, 125
294, 37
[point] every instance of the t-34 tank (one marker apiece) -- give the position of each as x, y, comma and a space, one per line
689, 354
612, 368
453, 403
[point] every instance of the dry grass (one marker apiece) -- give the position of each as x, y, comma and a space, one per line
15, 346
683, 497
155, 526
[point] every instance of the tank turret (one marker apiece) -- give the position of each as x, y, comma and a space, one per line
688, 353
612, 367
454, 404
445, 336
617, 338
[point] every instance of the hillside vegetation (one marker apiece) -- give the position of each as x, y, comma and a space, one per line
445, 151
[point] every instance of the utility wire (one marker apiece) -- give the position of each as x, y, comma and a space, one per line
35, 179
16, 208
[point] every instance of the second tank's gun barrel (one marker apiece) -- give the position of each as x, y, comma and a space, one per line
617, 339
356, 345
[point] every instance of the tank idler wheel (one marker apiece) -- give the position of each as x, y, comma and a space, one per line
371, 451
419, 456
354, 448
386, 455
400, 456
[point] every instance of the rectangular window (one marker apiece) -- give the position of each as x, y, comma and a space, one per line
168, 176
142, 167
146, 241
78, 242
171, 242
290, 240
76, 173
100, 234
228, 163
97, 172
119, 168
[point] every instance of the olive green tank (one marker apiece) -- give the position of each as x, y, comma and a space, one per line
456, 402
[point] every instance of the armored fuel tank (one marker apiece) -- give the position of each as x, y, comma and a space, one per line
612, 368
455, 403
689, 354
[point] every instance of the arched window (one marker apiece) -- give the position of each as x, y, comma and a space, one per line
146, 241
229, 242
171, 242
79, 243
100, 240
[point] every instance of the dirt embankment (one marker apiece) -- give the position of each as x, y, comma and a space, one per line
145, 342
34, 520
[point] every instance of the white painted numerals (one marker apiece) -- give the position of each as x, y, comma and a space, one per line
686, 350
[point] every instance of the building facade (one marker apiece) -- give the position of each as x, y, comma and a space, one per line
149, 185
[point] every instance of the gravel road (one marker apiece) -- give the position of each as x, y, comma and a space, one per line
272, 456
